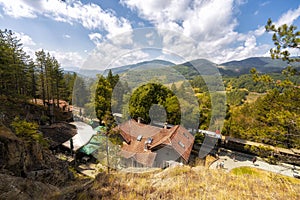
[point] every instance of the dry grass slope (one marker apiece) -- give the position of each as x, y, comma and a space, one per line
193, 183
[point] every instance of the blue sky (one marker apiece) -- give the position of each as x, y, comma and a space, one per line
108, 33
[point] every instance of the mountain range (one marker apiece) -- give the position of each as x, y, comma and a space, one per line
192, 68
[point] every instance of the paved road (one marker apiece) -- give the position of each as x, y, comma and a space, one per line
246, 160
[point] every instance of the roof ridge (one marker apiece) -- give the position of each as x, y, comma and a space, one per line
174, 131
165, 138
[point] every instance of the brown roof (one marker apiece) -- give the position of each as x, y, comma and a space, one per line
145, 158
131, 128
177, 137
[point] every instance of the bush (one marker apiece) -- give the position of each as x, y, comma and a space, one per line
271, 160
28, 131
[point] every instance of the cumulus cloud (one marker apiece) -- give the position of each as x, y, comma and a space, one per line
198, 19
206, 29
288, 17
96, 37
210, 23
18, 9
91, 16
26, 40
213, 25
68, 59
65, 58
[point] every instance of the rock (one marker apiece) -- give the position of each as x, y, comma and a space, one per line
23, 188
58, 133
31, 160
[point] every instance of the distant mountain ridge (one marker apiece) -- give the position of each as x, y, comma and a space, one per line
189, 69
262, 64
151, 63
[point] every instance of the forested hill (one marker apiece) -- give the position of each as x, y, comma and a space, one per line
145, 64
193, 68
233, 68
188, 69
262, 64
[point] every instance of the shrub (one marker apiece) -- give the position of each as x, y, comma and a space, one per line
28, 131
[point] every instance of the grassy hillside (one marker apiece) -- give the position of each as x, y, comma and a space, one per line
193, 183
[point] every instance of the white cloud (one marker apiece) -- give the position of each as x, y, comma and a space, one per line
201, 28
288, 17
260, 31
104, 55
91, 16
26, 40
200, 20
68, 59
95, 37
211, 24
66, 36
18, 9
264, 3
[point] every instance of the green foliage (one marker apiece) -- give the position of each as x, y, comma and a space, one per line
204, 101
16, 68
150, 94
284, 37
246, 170
271, 159
108, 97
261, 151
272, 119
236, 97
102, 97
115, 138
69, 79
23, 78
80, 92
199, 83
112, 79
28, 131
199, 138
247, 82
50, 79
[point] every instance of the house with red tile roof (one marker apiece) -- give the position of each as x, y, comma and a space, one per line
150, 146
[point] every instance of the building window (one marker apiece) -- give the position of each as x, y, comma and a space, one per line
186, 135
149, 140
139, 138
181, 144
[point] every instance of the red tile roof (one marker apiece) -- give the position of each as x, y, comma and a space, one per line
177, 137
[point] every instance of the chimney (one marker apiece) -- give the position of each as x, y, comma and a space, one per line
139, 120
165, 125
146, 147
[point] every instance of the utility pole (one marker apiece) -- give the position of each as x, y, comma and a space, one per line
107, 126
107, 154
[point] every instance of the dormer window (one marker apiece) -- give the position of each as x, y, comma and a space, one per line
185, 135
139, 138
149, 140
181, 144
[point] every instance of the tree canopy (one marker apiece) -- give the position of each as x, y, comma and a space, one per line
145, 96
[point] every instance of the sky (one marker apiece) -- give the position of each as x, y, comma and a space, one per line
100, 34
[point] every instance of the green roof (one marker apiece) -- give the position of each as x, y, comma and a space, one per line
101, 129
95, 142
